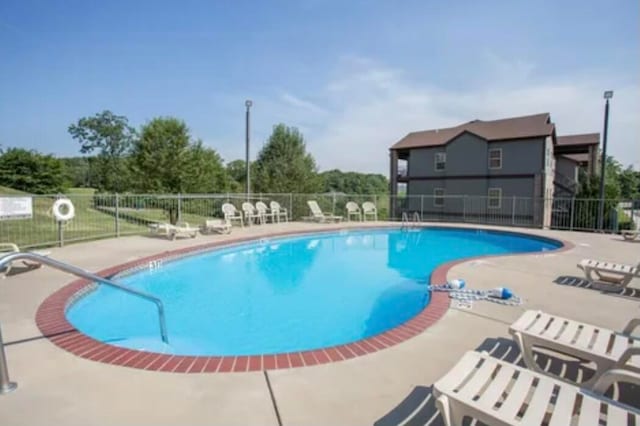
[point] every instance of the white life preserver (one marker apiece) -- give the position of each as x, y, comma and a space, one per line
57, 212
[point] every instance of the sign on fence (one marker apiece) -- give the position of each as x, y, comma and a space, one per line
16, 208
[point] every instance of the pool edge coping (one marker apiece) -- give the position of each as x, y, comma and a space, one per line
52, 321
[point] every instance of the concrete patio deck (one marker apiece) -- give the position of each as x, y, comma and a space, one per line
56, 387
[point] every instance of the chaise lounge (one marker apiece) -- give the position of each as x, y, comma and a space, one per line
608, 349
8, 248
608, 276
220, 226
499, 393
173, 231
318, 216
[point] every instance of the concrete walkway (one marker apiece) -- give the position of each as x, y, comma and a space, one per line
56, 387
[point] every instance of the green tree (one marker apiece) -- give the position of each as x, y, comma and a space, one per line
31, 171
629, 181
354, 183
78, 171
206, 171
283, 164
165, 160
587, 206
112, 137
236, 170
160, 157
238, 174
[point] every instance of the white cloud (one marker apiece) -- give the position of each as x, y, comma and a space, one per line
297, 102
368, 107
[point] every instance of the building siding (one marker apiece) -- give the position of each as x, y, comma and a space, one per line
522, 156
467, 172
469, 155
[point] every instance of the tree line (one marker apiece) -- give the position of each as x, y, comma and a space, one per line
619, 183
163, 157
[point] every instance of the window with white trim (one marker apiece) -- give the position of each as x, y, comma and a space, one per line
438, 197
494, 200
495, 158
440, 161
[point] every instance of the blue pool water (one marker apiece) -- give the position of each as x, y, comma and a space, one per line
287, 294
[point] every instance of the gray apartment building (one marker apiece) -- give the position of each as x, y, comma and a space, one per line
498, 168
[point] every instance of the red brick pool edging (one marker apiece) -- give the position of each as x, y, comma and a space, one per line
52, 322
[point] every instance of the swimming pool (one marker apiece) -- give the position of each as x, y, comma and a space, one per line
286, 294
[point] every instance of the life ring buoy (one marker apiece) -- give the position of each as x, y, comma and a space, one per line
57, 211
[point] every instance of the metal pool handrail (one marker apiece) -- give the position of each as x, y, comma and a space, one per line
5, 384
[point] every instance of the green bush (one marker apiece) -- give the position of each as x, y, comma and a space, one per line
627, 225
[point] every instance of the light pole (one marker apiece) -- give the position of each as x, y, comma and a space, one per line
603, 160
248, 104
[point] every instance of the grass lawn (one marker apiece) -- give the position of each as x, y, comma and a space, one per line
80, 191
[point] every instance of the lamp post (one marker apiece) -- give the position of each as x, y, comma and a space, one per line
603, 161
248, 104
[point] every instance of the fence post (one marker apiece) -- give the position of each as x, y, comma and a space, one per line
60, 229
117, 200
421, 207
573, 209
60, 234
291, 206
179, 207
464, 208
6, 385
375, 201
333, 207
513, 211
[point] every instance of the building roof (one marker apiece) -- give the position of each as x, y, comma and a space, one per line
582, 139
578, 158
495, 130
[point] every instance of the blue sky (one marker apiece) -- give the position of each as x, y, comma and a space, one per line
354, 76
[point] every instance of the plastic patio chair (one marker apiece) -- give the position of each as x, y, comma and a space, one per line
231, 213
250, 213
278, 211
369, 209
353, 210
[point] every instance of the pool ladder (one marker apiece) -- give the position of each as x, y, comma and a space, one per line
406, 223
6, 385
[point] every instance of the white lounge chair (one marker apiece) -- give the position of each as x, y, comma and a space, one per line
369, 209
221, 226
608, 276
278, 211
8, 248
250, 213
606, 348
318, 216
502, 394
231, 213
630, 235
264, 211
353, 210
172, 231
